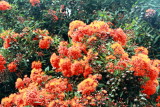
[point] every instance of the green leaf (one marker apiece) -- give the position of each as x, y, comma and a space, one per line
99, 62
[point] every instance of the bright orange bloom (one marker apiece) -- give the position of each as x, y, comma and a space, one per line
34, 2
141, 50
120, 36
31, 97
18, 100
110, 57
57, 86
54, 60
41, 33
2, 63
36, 65
110, 67
4, 5
153, 72
75, 102
141, 64
87, 86
117, 49
7, 42
19, 83
45, 42
58, 103
158, 99
74, 52
149, 87
77, 68
12, 67
65, 67
63, 50
74, 25
8, 101
36, 75
26, 80
87, 70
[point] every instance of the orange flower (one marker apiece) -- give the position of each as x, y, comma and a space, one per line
58, 103
158, 99
2, 63
45, 42
63, 43
74, 52
91, 39
87, 86
76, 102
57, 86
41, 33
12, 67
36, 75
30, 96
19, 83
77, 68
34, 2
7, 42
87, 70
74, 25
36, 65
141, 50
55, 17
117, 49
65, 67
120, 36
4, 5
54, 60
63, 50
110, 57
153, 72
149, 88
140, 64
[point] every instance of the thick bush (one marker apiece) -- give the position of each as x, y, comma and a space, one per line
94, 69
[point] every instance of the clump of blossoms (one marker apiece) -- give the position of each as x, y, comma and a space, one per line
8, 37
2, 63
4, 5
96, 70
39, 89
12, 67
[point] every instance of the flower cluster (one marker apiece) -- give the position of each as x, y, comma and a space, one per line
2, 63
71, 61
8, 37
34, 2
12, 67
78, 29
32, 91
45, 42
95, 67
139, 63
89, 85
4, 5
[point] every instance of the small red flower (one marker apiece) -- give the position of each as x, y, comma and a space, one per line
45, 42
34, 2
2, 63
4, 5
36, 65
54, 60
12, 67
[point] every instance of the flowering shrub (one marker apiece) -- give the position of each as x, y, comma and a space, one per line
17, 51
96, 68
